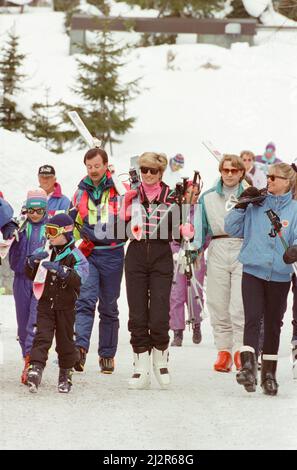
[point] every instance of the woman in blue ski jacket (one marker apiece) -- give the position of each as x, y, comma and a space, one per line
266, 271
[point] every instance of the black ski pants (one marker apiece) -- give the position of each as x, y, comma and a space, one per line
294, 321
149, 273
268, 298
59, 323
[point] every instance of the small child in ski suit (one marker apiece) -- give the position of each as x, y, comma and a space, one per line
179, 294
31, 237
67, 271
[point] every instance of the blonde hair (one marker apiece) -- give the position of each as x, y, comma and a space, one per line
247, 152
156, 159
235, 161
287, 171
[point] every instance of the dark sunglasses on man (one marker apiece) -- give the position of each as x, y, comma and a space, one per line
145, 170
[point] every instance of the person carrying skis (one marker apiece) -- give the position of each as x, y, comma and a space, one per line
266, 276
67, 271
57, 202
149, 271
178, 296
30, 238
95, 207
268, 158
224, 271
173, 173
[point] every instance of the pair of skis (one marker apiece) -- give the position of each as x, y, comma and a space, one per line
40, 276
136, 216
93, 142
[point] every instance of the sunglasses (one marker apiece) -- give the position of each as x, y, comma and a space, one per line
53, 231
272, 177
145, 170
38, 211
233, 171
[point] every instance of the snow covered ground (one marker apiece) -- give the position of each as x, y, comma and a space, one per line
203, 410
238, 98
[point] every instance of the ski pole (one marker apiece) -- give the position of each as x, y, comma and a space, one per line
277, 230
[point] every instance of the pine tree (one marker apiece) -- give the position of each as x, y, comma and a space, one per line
101, 4
11, 77
175, 8
104, 96
46, 125
238, 10
288, 8
183, 8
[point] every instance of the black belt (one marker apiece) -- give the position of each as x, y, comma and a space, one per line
225, 236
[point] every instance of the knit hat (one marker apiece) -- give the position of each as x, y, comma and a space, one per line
271, 145
178, 160
63, 220
36, 198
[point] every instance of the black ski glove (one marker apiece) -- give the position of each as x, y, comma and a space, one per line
290, 255
249, 193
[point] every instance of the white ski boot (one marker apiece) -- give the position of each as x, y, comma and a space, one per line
160, 366
294, 361
141, 378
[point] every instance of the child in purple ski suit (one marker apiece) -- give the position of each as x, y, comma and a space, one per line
30, 238
179, 296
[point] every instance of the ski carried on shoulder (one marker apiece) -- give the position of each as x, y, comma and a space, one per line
93, 143
40, 276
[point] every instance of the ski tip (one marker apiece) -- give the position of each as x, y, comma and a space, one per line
38, 290
137, 232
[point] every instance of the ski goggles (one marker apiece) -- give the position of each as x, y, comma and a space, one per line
31, 211
53, 231
272, 177
145, 170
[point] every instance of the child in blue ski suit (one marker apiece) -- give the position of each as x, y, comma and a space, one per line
30, 238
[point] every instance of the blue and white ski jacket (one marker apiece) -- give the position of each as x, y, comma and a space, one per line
262, 255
